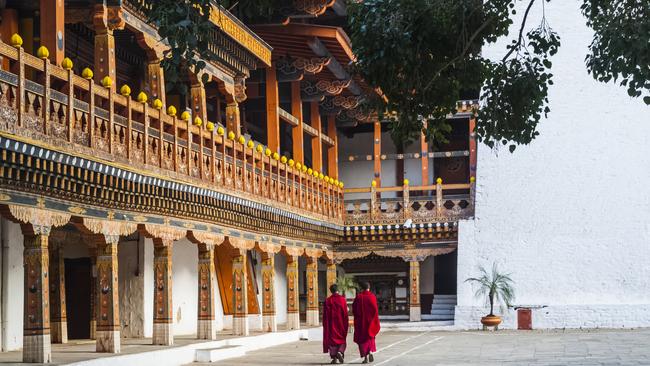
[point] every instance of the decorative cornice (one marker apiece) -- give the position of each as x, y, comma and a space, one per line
41, 220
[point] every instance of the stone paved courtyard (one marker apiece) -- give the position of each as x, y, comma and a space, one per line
570, 347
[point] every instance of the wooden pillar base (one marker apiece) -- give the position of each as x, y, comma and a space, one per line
37, 348
313, 318
207, 329
59, 332
415, 314
269, 323
163, 334
293, 321
93, 329
240, 326
108, 341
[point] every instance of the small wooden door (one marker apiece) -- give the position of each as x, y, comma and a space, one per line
524, 319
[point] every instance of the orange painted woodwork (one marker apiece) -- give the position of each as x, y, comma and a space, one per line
377, 152
223, 262
332, 151
8, 27
297, 134
424, 150
316, 142
272, 116
524, 319
52, 28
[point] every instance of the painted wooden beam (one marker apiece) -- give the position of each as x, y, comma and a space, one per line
424, 156
334, 66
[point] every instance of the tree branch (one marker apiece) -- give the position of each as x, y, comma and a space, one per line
462, 54
521, 32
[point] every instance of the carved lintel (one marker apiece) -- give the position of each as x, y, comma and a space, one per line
294, 251
310, 93
334, 87
268, 247
41, 220
349, 102
313, 253
313, 7
166, 233
341, 256
240, 90
241, 243
112, 230
329, 255
210, 239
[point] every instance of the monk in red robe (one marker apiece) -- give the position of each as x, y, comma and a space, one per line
335, 325
366, 322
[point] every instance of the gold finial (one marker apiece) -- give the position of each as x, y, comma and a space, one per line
42, 52
185, 116
107, 82
171, 110
125, 90
87, 73
198, 121
157, 103
16, 40
142, 97
220, 131
66, 64
209, 126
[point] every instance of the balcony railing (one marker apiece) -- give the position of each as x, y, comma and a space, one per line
51, 105
447, 202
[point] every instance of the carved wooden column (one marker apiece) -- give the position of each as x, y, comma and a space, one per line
36, 311
58, 318
163, 316
272, 116
415, 313
52, 29
316, 142
233, 119
105, 42
297, 134
269, 321
105, 323
293, 302
107, 307
155, 80
332, 151
377, 152
206, 326
312, 291
424, 157
36, 326
240, 293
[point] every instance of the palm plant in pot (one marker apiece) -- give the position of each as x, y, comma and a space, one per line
499, 289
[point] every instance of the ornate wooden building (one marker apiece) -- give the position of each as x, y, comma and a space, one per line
105, 177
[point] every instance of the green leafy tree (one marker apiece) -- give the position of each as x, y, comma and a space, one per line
426, 54
497, 286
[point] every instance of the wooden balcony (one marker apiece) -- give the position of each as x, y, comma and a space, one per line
433, 204
50, 106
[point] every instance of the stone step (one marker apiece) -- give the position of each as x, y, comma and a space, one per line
447, 317
219, 353
443, 306
444, 296
443, 312
451, 302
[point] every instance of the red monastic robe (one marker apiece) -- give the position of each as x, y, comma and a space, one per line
366, 322
335, 321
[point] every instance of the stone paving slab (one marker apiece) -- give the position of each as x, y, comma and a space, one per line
531, 348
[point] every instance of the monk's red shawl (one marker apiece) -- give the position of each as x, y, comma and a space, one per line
335, 321
366, 316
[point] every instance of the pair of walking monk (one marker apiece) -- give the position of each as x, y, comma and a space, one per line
335, 324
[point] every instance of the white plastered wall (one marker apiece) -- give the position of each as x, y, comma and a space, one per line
567, 215
185, 258
12, 280
280, 288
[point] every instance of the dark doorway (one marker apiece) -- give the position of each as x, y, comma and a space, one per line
444, 269
78, 277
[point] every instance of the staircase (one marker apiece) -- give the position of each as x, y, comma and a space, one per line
442, 307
